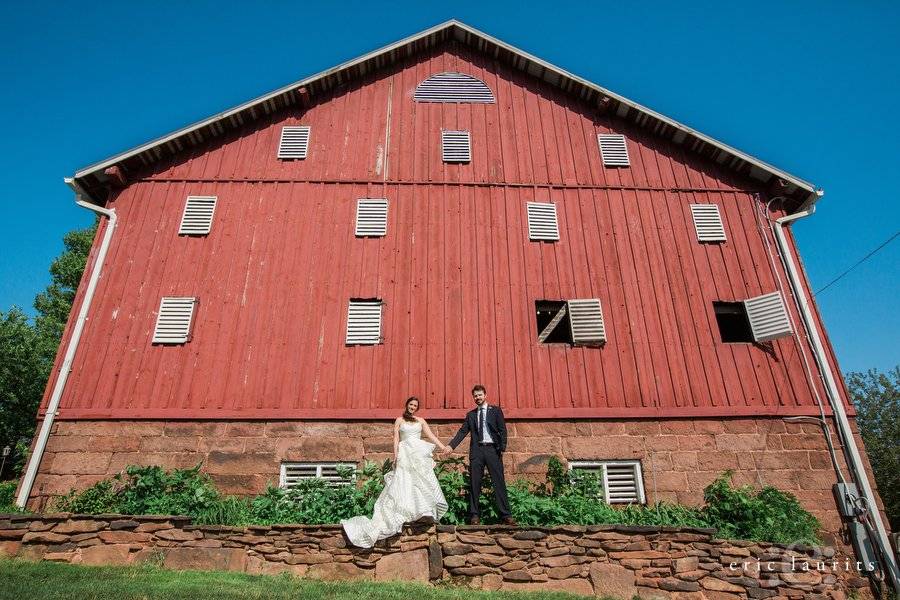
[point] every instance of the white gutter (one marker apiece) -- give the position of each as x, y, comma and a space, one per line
851, 451
41, 444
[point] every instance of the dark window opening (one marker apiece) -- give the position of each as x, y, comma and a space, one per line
553, 327
734, 326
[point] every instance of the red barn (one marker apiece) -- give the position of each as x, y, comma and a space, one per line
268, 285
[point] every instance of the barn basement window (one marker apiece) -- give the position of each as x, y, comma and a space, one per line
174, 320
294, 472
759, 319
294, 142
570, 322
623, 482
364, 322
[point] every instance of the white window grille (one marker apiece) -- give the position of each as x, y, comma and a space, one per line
173, 322
708, 223
613, 150
364, 322
623, 481
768, 317
456, 146
586, 320
453, 87
198, 215
294, 472
371, 217
542, 222
294, 141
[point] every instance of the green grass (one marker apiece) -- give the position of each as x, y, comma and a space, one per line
25, 580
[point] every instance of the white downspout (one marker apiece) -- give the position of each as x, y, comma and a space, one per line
53, 405
834, 396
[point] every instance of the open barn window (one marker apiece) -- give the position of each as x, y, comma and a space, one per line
622, 480
733, 324
758, 319
570, 322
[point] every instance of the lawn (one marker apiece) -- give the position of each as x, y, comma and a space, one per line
24, 580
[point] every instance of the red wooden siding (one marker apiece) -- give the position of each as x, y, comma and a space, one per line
456, 270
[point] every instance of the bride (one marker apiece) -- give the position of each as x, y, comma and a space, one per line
411, 490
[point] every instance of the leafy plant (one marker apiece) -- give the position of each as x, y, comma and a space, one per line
7, 495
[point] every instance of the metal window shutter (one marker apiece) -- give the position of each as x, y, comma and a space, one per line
708, 222
364, 322
294, 142
768, 317
456, 146
586, 319
613, 150
291, 473
622, 483
542, 222
198, 215
173, 323
371, 217
453, 87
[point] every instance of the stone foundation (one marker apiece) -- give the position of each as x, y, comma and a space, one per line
612, 561
679, 457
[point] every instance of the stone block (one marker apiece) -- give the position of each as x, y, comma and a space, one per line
80, 463
612, 580
316, 448
178, 535
116, 554
44, 537
403, 566
674, 584
9, 549
339, 572
240, 463
717, 585
79, 526
453, 548
206, 559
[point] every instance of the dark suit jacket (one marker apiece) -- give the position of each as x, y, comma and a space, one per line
493, 420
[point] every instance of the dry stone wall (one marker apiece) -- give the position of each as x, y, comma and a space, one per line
664, 563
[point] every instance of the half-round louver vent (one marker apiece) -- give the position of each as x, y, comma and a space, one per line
454, 87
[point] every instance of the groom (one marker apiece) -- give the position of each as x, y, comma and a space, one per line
486, 446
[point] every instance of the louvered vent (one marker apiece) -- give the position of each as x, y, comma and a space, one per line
294, 142
456, 146
173, 323
364, 322
586, 318
613, 150
542, 223
198, 215
294, 473
371, 217
453, 87
708, 223
622, 480
768, 317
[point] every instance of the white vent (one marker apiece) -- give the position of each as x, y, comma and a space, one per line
453, 87
622, 479
198, 215
364, 322
542, 223
294, 472
173, 323
456, 146
768, 317
294, 142
613, 150
371, 217
586, 319
708, 223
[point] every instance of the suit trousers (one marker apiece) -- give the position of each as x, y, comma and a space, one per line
479, 458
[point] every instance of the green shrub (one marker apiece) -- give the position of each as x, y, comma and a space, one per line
7, 496
768, 515
564, 498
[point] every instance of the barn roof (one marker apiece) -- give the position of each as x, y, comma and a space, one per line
93, 178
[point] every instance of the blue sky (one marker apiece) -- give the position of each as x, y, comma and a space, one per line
808, 86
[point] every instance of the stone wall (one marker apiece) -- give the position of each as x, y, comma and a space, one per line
679, 457
664, 563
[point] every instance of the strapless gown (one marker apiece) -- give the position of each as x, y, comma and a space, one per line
411, 491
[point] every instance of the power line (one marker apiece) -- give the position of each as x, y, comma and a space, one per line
859, 262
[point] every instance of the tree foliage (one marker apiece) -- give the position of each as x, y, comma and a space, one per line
27, 350
877, 399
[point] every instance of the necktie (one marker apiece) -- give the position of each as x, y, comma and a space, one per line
481, 412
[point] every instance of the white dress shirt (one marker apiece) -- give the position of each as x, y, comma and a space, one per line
482, 423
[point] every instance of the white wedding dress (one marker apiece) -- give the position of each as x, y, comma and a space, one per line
411, 491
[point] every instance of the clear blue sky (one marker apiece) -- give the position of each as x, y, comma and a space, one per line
811, 87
